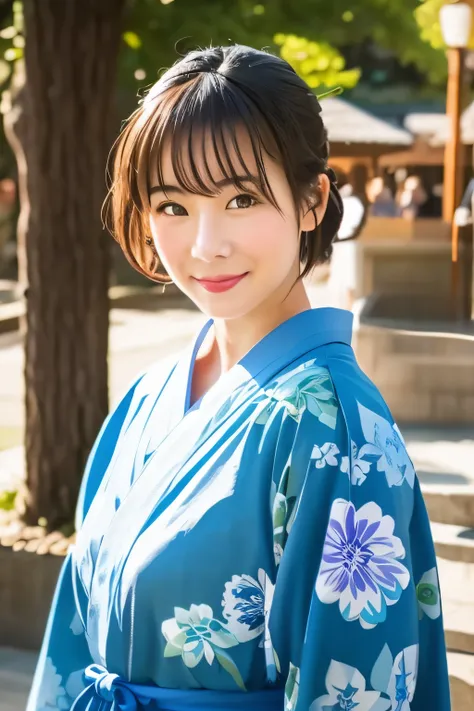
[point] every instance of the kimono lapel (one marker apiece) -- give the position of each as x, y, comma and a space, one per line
159, 490
188, 428
171, 405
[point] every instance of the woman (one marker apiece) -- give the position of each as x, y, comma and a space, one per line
342, 282
413, 198
382, 202
251, 533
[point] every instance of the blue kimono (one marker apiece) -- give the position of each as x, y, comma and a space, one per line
265, 548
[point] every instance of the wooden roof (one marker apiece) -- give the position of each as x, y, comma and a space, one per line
347, 123
436, 128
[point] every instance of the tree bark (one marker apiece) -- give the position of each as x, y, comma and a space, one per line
70, 68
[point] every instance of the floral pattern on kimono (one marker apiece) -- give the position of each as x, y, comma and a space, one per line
270, 537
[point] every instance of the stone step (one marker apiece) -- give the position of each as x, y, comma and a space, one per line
450, 504
457, 590
455, 543
458, 628
16, 673
461, 678
448, 374
432, 344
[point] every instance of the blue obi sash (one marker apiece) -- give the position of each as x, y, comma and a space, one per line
109, 692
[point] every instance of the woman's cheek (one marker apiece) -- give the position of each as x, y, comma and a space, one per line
262, 232
171, 247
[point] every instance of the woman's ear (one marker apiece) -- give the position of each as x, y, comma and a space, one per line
316, 205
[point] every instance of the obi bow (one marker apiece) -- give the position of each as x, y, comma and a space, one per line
109, 692
118, 694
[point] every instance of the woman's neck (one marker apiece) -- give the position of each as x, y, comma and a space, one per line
231, 339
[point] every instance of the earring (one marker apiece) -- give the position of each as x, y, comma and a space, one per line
149, 242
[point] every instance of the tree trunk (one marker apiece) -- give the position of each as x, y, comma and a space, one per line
70, 68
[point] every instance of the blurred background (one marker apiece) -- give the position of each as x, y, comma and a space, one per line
77, 323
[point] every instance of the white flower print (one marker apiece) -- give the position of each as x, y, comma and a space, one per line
360, 465
394, 460
52, 696
76, 626
402, 684
346, 690
247, 604
307, 387
396, 679
325, 455
427, 594
195, 634
393, 683
244, 606
360, 565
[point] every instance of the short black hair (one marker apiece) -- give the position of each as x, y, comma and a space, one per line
217, 92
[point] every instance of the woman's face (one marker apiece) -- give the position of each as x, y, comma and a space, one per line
233, 252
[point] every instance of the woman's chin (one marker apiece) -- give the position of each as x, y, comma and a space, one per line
225, 312
225, 305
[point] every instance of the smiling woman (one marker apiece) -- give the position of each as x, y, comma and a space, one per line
251, 532
211, 120
209, 244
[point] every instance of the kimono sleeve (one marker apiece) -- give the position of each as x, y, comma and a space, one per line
64, 655
356, 616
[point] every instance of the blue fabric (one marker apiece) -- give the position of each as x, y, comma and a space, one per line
120, 695
270, 539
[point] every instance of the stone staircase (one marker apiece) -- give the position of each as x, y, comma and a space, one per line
451, 510
455, 549
16, 672
425, 374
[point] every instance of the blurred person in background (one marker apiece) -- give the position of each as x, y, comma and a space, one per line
7, 207
343, 264
433, 207
412, 198
381, 199
463, 214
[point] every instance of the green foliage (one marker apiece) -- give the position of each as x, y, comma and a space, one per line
317, 63
310, 34
320, 29
132, 40
427, 16
7, 500
12, 42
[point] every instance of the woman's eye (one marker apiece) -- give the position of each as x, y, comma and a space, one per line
172, 209
242, 202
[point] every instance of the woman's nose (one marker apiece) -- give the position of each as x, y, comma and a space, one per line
209, 242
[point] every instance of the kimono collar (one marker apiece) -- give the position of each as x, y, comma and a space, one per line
291, 339
307, 330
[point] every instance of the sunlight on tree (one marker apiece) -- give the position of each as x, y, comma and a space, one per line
427, 16
317, 63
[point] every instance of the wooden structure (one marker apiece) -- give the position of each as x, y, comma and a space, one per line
358, 138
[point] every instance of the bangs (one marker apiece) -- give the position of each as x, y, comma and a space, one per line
207, 121
218, 116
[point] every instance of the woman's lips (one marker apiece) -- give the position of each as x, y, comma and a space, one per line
217, 285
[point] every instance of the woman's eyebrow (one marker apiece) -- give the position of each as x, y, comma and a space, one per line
219, 184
